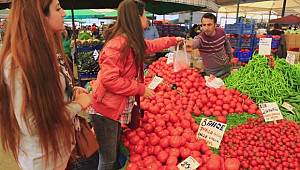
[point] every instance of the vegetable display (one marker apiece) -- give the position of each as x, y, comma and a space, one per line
167, 134
259, 145
266, 84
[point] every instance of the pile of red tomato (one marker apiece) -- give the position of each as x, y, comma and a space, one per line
191, 94
263, 146
167, 134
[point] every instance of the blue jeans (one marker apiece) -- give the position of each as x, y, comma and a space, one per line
108, 133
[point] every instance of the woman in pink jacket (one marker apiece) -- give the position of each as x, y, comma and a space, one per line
119, 79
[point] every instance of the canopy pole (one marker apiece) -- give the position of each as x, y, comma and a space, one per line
270, 12
191, 19
237, 11
226, 18
74, 59
283, 8
74, 34
153, 18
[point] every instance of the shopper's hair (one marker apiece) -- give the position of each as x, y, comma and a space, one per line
32, 49
129, 23
210, 16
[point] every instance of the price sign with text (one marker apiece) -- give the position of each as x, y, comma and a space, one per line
211, 131
265, 46
270, 111
288, 107
290, 58
188, 164
155, 82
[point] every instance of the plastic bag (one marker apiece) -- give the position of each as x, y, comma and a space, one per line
181, 60
213, 82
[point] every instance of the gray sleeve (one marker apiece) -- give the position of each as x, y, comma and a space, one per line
228, 48
156, 35
197, 42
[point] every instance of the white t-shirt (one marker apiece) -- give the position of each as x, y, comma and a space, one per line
30, 153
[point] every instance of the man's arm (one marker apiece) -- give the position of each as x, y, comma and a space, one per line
228, 48
197, 43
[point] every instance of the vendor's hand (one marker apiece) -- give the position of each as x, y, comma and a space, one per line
85, 100
148, 92
79, 90
180, 40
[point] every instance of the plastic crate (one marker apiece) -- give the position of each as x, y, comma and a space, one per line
248, 29
233, 28
234, 42
246, 42
244, 56
89, 48
275, 43
87, 75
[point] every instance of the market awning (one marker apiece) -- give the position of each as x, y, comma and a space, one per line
111, 13
275, 5
171, 6
153, 6
291, 19
89, 4
83, 14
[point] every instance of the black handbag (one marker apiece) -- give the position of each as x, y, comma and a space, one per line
136, 114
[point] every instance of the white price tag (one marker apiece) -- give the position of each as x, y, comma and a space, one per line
170, 59
270, 111
265, 46
211, 131
188, 164
155, 82
290, 58
288, 107
95, 54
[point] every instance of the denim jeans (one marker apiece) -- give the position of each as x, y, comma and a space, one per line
108, 133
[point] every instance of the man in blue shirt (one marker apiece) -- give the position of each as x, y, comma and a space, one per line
150, 32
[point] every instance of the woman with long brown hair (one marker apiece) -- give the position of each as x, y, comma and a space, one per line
121, 77
36, 109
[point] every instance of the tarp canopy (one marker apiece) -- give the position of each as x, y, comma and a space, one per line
111, 13
153, 6
83, 14
292, 6
89, 4
291, 19
172, 6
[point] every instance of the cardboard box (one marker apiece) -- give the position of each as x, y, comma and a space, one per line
293, 57
292, 41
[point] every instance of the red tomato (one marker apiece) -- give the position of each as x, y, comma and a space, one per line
132, 166
172, 160
164, 142
157, 149
175, 141
154, 140
162, 156
232, 164
214, 163
135, 157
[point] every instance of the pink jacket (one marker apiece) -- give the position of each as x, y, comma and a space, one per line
117, 78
